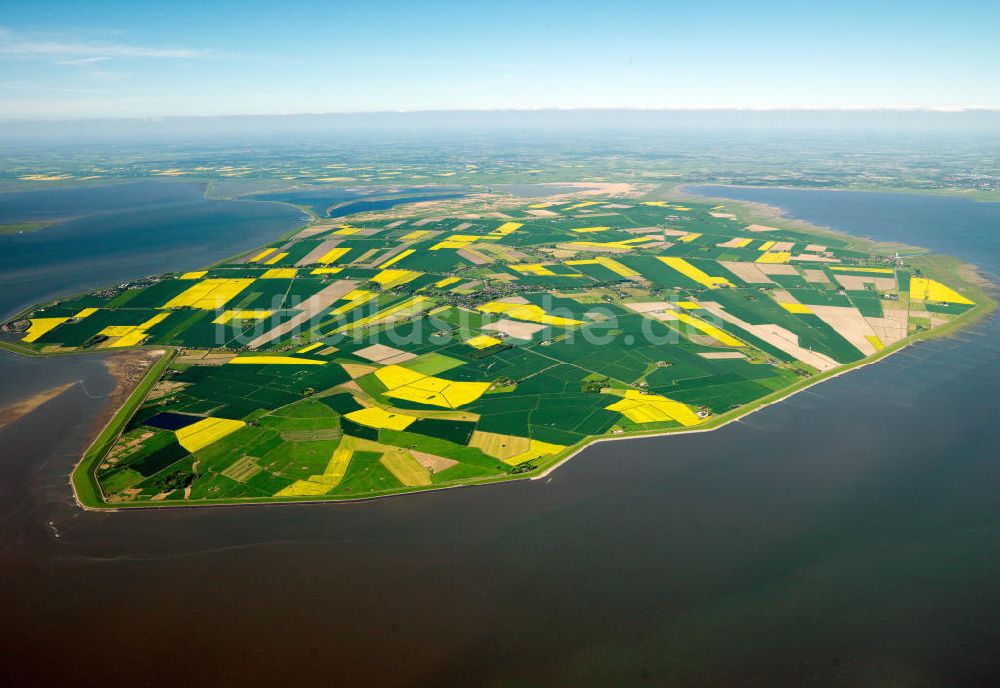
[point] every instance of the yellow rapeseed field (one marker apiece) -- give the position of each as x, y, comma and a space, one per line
392, 278
483, 341
228, 316
529, 312
775, 257
158, 318
459, 241
131, 339
691, 272
333, 255
354, 298
322, 483
393, 376
275, 258
40, 326
922, 289
403, 254
651, 408
375, 417
416, 235
273, 360
130, 335
209, 294
536, 450
498, 445
403, 383
279, 273
206, 432
531, 269
505, 229
337, 468
262, 255
456, 241
704, 328
116, 330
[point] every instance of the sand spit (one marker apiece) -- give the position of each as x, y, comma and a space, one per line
19, 409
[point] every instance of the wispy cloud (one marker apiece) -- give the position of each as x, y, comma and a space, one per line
26, 46
81, 61
40, 88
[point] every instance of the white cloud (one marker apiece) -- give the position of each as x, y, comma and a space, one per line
20, 45
82, 61
40, 88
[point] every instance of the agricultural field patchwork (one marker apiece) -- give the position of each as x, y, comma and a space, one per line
392, 355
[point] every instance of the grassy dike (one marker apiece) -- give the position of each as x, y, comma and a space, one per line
83, 478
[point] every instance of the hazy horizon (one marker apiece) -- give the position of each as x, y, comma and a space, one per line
542, 121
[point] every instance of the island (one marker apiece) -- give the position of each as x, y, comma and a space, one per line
477, 340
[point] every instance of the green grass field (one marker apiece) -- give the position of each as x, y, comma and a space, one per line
291, 354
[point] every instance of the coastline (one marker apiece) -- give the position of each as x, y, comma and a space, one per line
132, 391
134, 372
765, 211
782, 394
967, 273
969, 194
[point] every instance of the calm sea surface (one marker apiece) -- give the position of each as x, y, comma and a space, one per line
321, 201
847, 536
114, 233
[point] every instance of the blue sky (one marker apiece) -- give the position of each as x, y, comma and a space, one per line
214, 57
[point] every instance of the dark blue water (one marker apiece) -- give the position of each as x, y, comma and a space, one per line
321, 201
123, 232
847, 536
944, 224
386, 203
47, 204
